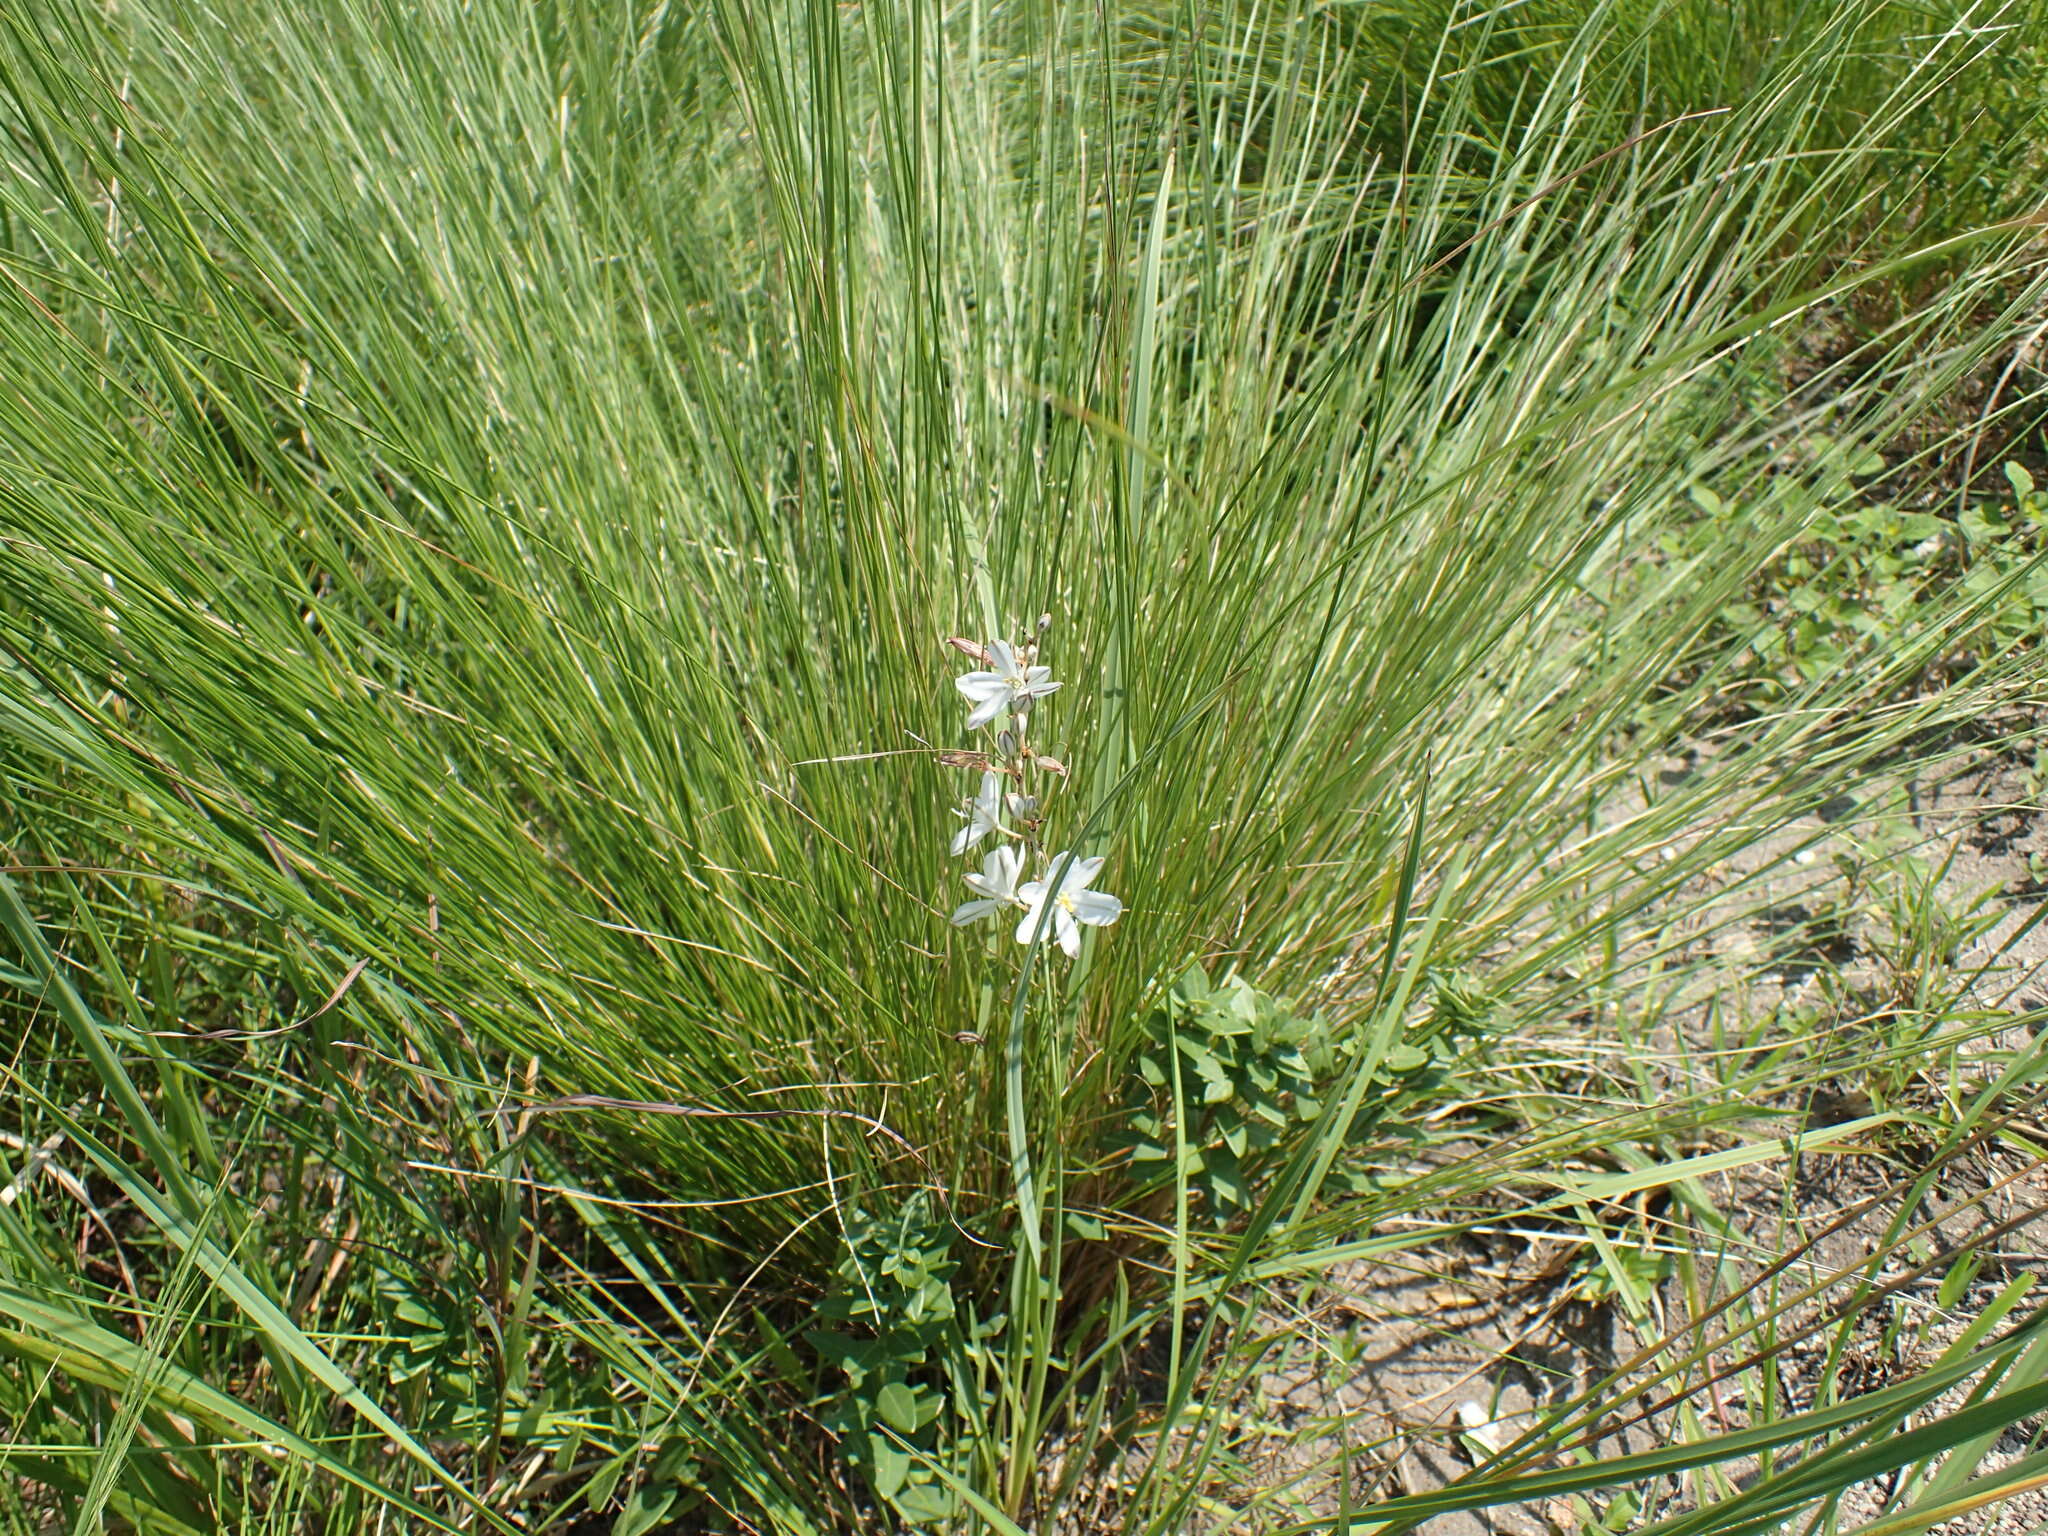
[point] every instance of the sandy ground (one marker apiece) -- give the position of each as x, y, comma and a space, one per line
1444, 1360
1460, 1357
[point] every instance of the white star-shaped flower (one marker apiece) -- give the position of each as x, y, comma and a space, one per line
1073, 904
997, 884
1008, 685
984, 813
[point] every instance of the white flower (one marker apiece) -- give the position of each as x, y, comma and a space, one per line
983, 813
997, 884
1072, 903
1009, 685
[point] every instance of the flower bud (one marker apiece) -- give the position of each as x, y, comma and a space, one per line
1006, 743
1044, 622
1023, 807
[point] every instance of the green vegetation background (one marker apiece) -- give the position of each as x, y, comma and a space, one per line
484, 488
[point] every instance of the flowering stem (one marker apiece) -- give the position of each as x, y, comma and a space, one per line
984, 587
1029, 1216
1062, 901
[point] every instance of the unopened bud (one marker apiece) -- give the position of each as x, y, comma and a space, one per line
1023, 807
1049, 764
1006, 743
1044, 622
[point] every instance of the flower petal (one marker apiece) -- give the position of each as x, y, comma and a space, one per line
1096, 908
1069, 932
975, 830
1076, 875
968, 911
983, 685
1027, 926
1002, 658
987, 710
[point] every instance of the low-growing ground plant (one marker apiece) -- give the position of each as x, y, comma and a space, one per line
1864, 569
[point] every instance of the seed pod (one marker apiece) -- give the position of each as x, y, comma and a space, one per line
1049, 764
975, 760
973, 648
